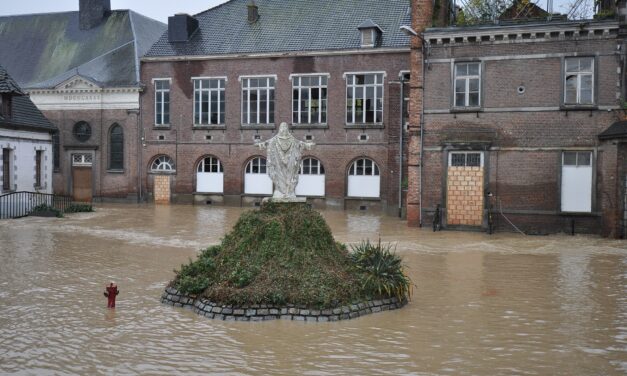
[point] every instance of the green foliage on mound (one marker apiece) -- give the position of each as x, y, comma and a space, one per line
282, 253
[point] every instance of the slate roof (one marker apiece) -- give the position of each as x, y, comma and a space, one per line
7, 85
290, 25
24, 114
47, 49
616, 130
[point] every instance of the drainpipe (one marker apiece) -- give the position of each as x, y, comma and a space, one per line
422, 126
140, 150
400, 148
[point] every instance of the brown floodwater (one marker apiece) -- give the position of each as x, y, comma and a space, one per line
482, 305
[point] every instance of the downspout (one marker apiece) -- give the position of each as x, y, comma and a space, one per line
400, 148
422, 127
140, 150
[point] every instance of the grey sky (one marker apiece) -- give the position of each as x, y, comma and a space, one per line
157, 9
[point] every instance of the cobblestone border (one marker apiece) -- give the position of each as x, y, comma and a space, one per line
262, 312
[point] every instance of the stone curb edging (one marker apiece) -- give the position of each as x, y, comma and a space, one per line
263, 312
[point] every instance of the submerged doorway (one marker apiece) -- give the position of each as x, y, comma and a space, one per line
82, 186
464, 194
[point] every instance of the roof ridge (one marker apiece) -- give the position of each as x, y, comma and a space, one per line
130, 18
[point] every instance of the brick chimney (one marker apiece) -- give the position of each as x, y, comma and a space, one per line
92, 12
421, 18
253, 12
181, 27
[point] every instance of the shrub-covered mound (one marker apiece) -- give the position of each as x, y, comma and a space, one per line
285, 253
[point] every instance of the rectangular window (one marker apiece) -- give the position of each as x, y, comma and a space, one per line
309, 99
209, 101
466, 159
577, 181
5, 105
364, 98
162, 102
6, 170
38, 165
467, 85
579, 80
56, 151
258, 100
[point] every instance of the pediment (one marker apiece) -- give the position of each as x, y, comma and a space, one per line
78, 83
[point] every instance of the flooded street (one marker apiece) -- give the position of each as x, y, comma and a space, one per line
499, 305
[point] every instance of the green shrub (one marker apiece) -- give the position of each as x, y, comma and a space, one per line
78, 208
47, 208
381, 270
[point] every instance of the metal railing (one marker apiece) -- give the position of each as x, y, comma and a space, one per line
21, 204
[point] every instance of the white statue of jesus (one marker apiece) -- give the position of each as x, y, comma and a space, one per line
284, 152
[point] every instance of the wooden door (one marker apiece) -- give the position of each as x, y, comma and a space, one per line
82, 184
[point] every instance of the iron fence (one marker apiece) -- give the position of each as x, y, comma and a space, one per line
21, 204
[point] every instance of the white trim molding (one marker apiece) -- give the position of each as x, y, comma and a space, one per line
328, 75
384, 73
225, 78
240, 78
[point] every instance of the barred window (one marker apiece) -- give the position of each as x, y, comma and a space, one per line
466, 159
209, 101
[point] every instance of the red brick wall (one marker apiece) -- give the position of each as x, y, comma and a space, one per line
106, 184
336, 146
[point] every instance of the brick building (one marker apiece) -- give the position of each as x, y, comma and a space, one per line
222, 80
81, 69
515, 118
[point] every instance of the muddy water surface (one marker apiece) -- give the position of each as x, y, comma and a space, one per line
482, 305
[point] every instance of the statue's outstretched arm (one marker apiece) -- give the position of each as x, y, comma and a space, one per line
306, 145
262, 145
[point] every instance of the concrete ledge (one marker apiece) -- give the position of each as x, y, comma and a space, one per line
263, 312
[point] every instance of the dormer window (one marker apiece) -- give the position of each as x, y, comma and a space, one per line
5, 105
370, 33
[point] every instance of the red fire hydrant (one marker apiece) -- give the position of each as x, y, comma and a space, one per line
111, 292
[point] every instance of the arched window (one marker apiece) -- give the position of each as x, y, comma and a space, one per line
210, 176
256, 179
364, 179
162, 163
311, 178
116, 148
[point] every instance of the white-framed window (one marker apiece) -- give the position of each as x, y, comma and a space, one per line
467, 84
465, 159
576, 181
256, 178
258, 100
364, 98
311, 178
210, 175
162, 163
309, 99
82, 159
162, 101
364, 178
209, 100
579, 80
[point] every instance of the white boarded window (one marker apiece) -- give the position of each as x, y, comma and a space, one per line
364, 179
210, 176
577, 181
579, 80
311, 178
256, 178
467, 84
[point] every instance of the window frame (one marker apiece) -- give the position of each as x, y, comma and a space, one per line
158, 170
465, 152
593, 180
160, 122
376, 171
467, 78
364, 87
7, 170
321, 113
218, 164
594, 76
259, 166
221, 106
270, 90
113, 127
39, 165
319, 167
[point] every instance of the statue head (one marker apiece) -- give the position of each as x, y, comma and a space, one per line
283, 129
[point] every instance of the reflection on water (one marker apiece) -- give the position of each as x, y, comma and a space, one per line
502, 304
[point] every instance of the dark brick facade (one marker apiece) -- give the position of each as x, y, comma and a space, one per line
522, 126
337, 145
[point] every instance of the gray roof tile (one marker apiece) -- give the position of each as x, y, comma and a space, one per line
290, 25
